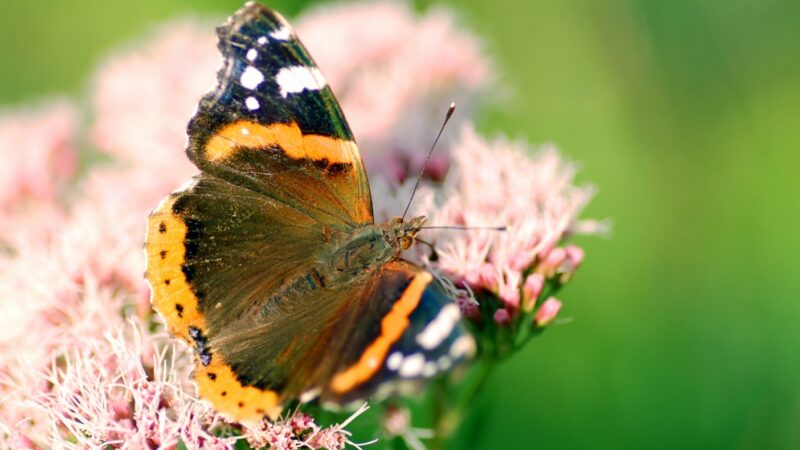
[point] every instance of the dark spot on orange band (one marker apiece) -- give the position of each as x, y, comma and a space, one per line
164, 244
212, 376
179, 308
241, 404
223, 393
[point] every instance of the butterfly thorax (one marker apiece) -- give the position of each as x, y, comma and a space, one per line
369, 248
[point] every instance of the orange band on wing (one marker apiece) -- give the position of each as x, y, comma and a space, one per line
392, 327
165, 249
174, 299
218, 384
288, 137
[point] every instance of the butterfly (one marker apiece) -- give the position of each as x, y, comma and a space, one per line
269, 263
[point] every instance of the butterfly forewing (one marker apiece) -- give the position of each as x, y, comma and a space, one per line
274, 126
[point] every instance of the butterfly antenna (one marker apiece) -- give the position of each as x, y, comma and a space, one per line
428, 158
457, 227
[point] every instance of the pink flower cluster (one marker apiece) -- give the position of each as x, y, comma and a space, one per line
532, 195
41, 142
298, 431
127, 390
39, 147
83, 361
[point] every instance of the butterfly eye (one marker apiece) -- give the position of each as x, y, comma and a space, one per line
406, 242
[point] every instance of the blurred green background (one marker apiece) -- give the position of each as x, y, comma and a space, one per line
686, 115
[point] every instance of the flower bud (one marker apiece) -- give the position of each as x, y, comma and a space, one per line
547, 312
552, 261
575, 256
531, 290
502, 317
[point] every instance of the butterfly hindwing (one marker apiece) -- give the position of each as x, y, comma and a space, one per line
274, 126
406, 330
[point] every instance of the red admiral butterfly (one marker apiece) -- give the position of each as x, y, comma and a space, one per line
269, 262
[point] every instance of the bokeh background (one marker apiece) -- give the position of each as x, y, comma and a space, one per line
686, 115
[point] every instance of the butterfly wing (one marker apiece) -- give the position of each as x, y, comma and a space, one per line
405, 330
280, 182
273, 125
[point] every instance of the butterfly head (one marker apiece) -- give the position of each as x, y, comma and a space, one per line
402, 233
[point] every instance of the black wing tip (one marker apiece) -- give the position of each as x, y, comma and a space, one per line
249, 13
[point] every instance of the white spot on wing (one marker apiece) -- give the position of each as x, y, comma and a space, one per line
251, 104
463, 346
246, 131
284, 33
412, 365
444, 363
252, 54
394, 361
251, 78
429, 370
440, 327
299, 78
262, 40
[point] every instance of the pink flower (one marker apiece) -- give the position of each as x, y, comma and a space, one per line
39, 155
502, 317
547, 312
531, 290
37, 145
298, 431
143, 98
498, 184
109, 394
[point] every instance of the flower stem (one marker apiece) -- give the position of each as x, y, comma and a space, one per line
449, 412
